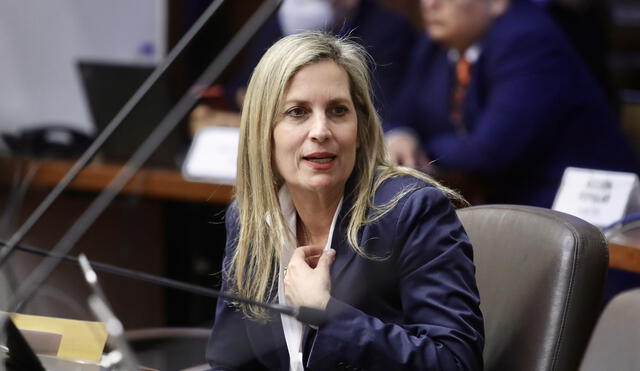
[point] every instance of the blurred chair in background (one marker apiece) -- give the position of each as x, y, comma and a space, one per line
616, 338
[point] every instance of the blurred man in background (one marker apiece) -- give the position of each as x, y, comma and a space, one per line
497, 99
386, 35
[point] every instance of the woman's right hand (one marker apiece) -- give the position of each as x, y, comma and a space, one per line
307, 281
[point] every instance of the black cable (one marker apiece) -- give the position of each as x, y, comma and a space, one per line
31, 284
124, 272
307, 315
113, 125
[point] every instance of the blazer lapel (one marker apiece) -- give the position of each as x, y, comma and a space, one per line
280, 342
269, 342
344, 256
344, 252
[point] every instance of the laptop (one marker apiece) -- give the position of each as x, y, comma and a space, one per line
108, 86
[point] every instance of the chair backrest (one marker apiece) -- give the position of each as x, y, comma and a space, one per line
540, 275
615, 343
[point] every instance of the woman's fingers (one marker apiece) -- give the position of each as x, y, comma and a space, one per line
325, 261
312, 261
307, 281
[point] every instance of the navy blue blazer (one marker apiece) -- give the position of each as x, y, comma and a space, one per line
418, 309
531, 110
385, 34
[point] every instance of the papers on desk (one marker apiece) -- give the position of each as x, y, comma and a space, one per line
80, 340
212, 156
597, 196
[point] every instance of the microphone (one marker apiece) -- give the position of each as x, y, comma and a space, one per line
31, 284
310, 316
122, 353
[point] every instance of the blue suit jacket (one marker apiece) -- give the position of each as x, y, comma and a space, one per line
416, 310
385, 34
531, 110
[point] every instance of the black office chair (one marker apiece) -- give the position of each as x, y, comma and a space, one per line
540, 275
615, 343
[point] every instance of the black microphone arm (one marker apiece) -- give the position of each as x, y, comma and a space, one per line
31, 284
107, 132
310, 316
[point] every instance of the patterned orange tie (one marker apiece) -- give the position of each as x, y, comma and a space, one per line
463, 76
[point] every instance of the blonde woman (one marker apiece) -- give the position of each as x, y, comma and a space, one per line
322, 219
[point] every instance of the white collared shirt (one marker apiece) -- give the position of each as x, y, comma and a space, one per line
471, 54
293, 329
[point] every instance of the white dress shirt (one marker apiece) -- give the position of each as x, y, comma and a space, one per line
293, 329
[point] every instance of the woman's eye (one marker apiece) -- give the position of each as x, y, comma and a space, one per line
339, 110
296, 112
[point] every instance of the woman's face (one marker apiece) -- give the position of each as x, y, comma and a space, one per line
315, 138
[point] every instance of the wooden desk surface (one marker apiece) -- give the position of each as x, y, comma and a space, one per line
155, 183
624, 251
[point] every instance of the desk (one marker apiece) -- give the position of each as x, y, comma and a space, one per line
624, 251
155, 183
133, 232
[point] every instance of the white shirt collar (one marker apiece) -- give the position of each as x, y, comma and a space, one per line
471, 54
293, 329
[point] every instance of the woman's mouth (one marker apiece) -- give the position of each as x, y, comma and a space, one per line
320, 161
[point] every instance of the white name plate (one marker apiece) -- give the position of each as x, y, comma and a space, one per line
597, 196
212, 156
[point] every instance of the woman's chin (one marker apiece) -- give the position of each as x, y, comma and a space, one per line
320, 184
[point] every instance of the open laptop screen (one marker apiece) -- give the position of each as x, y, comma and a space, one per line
108, 86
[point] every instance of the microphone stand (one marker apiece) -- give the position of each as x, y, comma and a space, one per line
123, 354
113, 125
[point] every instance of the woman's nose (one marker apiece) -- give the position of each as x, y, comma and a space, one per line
320, 130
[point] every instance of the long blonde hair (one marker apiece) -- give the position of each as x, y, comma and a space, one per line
254, 267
